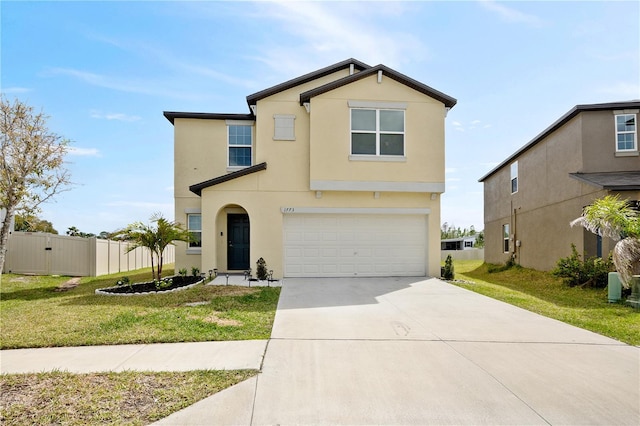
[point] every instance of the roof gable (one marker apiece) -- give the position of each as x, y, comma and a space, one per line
360, 66
448, 101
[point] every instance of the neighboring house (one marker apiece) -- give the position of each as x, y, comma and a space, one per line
461, 243
533, 195
337, 173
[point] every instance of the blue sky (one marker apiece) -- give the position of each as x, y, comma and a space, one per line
105, 72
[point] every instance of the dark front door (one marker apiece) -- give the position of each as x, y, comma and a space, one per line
237, 242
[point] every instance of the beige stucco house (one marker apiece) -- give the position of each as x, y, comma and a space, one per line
337, 173
532, 196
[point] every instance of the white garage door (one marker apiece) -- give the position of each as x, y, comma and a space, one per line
348, 245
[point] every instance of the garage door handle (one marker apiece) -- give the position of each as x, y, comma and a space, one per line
230, 244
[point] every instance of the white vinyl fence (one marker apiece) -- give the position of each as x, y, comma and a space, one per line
50, 254
472, 254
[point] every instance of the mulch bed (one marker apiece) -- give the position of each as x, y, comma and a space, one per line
178, 281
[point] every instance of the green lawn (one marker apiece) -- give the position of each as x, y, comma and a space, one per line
33, 314
127, 398
545, 294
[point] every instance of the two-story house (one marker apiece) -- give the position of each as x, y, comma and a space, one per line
532, 196
337, 173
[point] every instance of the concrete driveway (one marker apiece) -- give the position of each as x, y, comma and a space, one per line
402, 351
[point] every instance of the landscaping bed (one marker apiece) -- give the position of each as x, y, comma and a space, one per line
177, 282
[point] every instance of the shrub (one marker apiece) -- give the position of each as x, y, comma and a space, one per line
448, 272
195, 271
261, 269
183, 272
590, 272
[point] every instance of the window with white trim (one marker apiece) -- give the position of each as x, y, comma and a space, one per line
377, 132
626, 133
505, 238
284, 127
194, 226
514, 177
240, 141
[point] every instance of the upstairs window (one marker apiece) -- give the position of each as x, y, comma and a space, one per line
514, 177
240, 139
194, 226
626, 135
377, 132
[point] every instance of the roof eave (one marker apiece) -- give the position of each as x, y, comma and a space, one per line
172, 115
559, 123
447, 100
198, 187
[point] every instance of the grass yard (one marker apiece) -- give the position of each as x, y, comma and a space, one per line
127, 398
545, 294
33, 314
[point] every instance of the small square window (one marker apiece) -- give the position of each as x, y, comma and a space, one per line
284, 127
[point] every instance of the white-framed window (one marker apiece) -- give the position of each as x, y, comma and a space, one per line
240, 143
505, 238
194, 226
514, 177
284, 127
468, 244
626, 133
377, 132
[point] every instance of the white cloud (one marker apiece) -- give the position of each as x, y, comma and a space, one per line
450, 170
510, 14
114, 116
476, 122
332, 31
456, 123
141, 204
142, 86
16, 90
83, 152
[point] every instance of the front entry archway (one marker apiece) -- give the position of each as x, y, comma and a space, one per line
238, 242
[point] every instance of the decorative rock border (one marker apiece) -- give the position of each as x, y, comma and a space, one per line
102, 292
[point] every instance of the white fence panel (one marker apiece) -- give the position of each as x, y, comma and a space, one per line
472, 254
26, 253
69, 255
47, 254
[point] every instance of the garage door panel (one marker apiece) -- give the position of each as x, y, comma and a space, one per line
354, 245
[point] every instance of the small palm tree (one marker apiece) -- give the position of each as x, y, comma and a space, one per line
613, 218
155, 238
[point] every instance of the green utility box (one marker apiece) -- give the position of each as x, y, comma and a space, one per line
615, 287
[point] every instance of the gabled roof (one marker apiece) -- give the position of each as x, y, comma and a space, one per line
171, 116
360, 66
448, 101
613, 181
559, 123
198, 187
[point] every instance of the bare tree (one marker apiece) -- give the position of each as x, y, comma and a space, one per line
32, 166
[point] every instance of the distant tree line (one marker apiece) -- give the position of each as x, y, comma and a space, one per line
450, 231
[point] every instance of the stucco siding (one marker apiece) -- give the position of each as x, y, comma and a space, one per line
599, 140
331, 143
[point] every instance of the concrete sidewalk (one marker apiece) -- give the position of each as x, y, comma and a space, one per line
423, 352
232, 355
